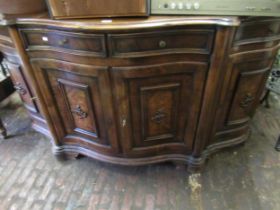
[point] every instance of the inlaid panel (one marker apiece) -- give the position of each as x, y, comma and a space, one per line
246, 95
77, 98
159, 105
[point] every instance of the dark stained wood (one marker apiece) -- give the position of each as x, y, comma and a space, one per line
20, 85
249, 31
80, 102
72, 43
161, 42
97, 8
157, 106
40, 121
20, 7
139, 92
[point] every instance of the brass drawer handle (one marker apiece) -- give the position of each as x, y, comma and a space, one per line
162, 44
79, 112
20, 89
62, 42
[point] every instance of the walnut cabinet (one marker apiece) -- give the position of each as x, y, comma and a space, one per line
141, 91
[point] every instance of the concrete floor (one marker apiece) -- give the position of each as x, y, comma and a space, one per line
246, 177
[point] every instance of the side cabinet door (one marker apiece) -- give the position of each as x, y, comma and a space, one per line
78, 98
21, 87
158, 107
246, 95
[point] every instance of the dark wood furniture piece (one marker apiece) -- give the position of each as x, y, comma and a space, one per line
20, 7
14, 61
142, 91
97, 8
6, 89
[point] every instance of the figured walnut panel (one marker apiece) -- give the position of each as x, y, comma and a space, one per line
77, 97
246, 95
159, 106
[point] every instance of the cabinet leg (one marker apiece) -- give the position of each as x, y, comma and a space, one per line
196, 164
62, 155
277, 147
3, 132
195, 169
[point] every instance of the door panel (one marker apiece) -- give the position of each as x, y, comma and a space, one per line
21, 87
79, 102
246, 95
158, 106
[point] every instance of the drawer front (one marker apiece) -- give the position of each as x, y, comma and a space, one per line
258, 31
162, 42
21, 87
73, 43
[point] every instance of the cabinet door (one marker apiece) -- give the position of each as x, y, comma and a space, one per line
78, 98
247, 86
21, 86
158, 107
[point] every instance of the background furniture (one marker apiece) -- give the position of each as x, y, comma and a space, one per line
6, 89
14, 62
273, 85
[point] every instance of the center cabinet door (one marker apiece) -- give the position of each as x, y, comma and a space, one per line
79, 101
158, 107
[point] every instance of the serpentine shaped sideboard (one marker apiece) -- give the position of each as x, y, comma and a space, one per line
141, 91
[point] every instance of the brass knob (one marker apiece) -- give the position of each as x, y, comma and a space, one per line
162, 44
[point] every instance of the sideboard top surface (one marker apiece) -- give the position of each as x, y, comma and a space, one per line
104, 24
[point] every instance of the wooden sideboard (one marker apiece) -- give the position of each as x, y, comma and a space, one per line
141, 91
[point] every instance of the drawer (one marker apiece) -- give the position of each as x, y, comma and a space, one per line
258, 31
161, 42
73, 43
